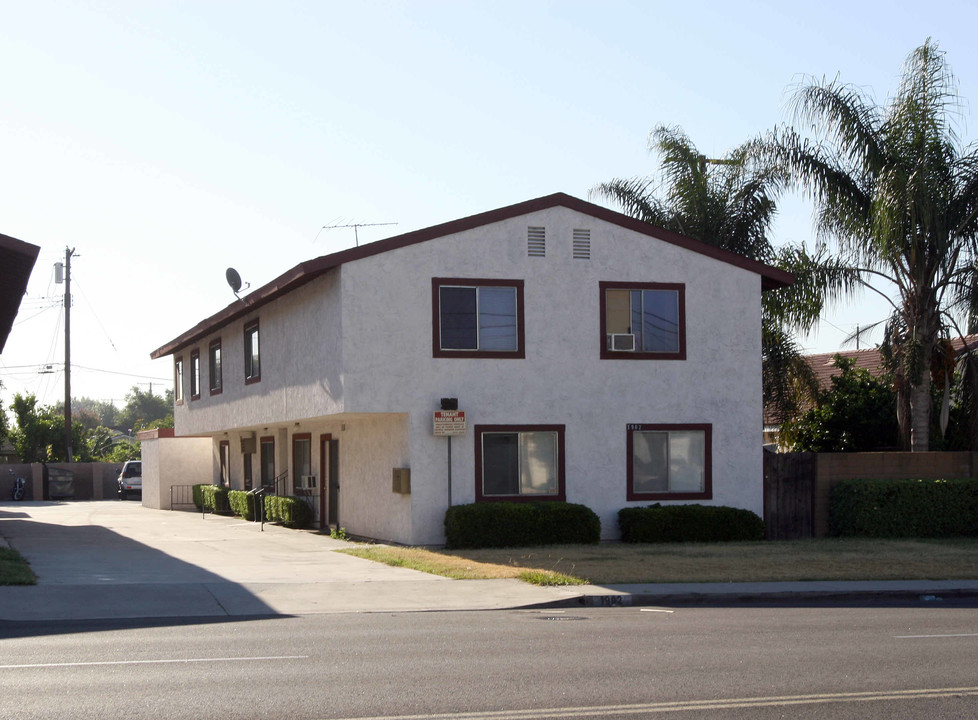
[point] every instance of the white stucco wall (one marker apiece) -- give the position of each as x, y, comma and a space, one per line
170, 461
562, 380
301, 361
354, 346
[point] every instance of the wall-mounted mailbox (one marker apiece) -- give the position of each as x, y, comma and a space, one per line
401, 481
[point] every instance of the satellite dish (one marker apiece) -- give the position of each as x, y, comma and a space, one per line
234, 280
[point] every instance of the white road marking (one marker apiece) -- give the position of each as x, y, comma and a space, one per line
685, 706
913, 637
175, 661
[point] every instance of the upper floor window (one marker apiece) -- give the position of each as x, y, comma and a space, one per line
670, 462
214, 366
195, 375
519, 462
251, 355
643, 321
477, 318
178, 380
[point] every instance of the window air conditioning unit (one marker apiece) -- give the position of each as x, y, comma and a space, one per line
621, 342
307, 482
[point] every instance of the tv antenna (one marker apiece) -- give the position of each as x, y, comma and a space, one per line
234, 280
356, 235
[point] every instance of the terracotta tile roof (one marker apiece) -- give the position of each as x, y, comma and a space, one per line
866, 359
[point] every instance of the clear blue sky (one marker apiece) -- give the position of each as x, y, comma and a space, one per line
166, 141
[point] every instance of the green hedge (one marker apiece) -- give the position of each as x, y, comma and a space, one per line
518, 524
904, 508
688, 523
289, 511
212, 498
242, 504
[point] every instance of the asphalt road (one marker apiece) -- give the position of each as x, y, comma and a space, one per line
793, 662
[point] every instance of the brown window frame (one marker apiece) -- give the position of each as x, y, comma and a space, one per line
480, 430
436, 349
219, 387
178, 396
225, 463
296, 490
195, 375
255, 376
607, 354
706, 494
262, 441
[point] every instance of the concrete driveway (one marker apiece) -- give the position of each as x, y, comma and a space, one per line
115, 559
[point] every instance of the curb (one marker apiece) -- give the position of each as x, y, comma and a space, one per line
777, 597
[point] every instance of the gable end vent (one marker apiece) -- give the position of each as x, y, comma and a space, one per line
582, 244
536, 242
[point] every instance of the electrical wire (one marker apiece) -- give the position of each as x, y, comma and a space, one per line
95, 315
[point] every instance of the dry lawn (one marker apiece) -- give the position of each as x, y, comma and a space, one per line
620, 563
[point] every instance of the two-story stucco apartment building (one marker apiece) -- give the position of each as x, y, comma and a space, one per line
596, 359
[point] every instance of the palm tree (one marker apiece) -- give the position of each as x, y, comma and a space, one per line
898, 192
730, 202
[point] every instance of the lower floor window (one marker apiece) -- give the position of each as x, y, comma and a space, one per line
519, 462
670, 462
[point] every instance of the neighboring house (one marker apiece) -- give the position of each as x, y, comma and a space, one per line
598, 360
8, 453
823, 364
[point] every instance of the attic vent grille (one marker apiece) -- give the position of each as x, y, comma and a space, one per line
536, 241
582, 244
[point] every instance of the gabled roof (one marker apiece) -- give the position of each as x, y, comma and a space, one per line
17, 259
771, 277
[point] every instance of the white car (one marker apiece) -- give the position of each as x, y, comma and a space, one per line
131, 479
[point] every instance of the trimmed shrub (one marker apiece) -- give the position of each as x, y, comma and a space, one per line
212, 498
292, 512
688, 523
904, 508
242, 504
517, 524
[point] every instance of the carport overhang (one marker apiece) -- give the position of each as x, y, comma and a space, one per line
17, 259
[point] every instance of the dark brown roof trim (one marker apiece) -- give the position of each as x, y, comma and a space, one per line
771, 277
17, 259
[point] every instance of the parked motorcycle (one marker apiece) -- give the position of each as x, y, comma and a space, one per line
18, 489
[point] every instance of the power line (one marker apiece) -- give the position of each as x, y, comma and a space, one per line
116, 372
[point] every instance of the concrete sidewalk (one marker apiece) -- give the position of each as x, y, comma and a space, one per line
111, 559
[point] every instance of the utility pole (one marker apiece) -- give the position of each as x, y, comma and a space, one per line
69, 252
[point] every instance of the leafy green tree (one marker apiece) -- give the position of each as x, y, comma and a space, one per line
142, 409
856, 414
104, 411
730, 203
121, 451
40, 432
898, 192
4, 423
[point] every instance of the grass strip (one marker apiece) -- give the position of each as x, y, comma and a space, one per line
456, 567
14, 569
625, 563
